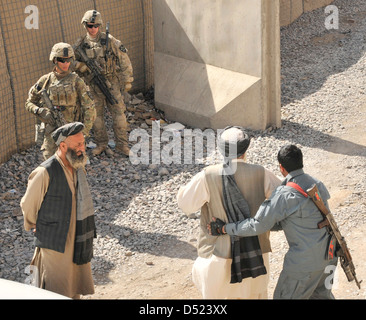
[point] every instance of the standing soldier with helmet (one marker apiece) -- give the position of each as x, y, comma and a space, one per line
103, 63
60, 97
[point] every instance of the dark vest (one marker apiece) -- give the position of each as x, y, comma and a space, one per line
54, 215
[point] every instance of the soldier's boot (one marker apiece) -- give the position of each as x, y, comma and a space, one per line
98, 150
124, 150
109, 152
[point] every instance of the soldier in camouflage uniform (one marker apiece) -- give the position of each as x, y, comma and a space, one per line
117, 70
68, 93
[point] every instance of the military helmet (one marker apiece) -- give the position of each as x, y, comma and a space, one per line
92, 16
62, 50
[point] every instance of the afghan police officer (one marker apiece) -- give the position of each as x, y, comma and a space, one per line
310, 257
69, 98
110, 55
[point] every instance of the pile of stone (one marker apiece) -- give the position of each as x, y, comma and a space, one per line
141, 111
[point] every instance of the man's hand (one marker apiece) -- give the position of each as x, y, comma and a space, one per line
216, 227
80, 66
46, 116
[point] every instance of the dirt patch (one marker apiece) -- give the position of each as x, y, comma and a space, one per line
153, 276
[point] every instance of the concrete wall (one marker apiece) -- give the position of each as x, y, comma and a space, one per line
290, 10
217, 62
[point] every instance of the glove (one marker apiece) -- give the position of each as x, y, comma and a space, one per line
80, 66
216, 227
46, 116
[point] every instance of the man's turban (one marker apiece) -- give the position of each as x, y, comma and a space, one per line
61, 133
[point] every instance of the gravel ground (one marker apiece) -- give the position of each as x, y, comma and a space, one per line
323, 107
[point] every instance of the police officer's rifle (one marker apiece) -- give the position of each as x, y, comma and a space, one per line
341, 248
98, 77
55, 111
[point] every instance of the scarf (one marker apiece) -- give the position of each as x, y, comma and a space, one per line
85, 224
247, 260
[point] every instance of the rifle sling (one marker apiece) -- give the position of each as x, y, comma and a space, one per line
298, 188
294, 185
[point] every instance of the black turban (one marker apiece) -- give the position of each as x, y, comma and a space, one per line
61, 133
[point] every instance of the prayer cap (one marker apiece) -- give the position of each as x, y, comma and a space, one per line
233, 142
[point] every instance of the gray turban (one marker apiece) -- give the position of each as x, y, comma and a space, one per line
61, 133
233, 142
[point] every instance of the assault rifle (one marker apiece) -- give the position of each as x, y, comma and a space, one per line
329, 222
98, 77
56, 113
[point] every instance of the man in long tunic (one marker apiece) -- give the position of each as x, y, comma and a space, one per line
212, 269
52, 207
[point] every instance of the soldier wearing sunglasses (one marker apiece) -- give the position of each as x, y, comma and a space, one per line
111, 56
70, 98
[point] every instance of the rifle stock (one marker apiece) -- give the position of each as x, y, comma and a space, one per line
329, 221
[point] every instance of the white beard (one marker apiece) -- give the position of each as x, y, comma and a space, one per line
76, 161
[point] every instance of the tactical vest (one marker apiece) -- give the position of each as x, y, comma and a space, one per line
96, 50
53, 220
64, 96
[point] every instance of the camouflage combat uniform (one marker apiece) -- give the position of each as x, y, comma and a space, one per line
117, 70
68, 93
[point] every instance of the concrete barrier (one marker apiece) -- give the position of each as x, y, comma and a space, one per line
217, 62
